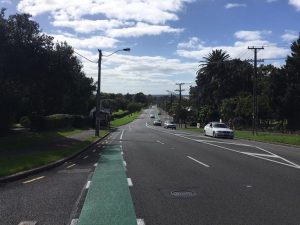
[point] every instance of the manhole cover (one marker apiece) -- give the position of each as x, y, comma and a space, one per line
183, 194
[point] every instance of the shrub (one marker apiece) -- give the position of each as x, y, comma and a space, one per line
79, 121
58, 121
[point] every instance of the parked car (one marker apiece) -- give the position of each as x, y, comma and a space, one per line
216, 129
157, 122
170, 124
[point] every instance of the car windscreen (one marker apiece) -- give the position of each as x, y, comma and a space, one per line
220, 125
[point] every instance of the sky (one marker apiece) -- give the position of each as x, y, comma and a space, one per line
168, 38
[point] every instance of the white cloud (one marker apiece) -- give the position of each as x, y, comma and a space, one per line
240, 48
92, 42
6, 1
234, 5
295, 3
87, 26
290, 36
251, 35
270, 1
127, 73
193, 43
141, 29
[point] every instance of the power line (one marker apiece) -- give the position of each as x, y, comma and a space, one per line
85, 57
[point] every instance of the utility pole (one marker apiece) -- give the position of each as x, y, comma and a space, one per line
180, 90
97, 130
255, 108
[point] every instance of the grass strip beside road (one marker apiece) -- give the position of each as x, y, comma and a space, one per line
125, 120
290, 139
26, 151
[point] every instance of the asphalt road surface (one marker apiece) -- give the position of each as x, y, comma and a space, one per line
176, 178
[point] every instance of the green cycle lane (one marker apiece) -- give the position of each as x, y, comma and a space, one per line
108, 200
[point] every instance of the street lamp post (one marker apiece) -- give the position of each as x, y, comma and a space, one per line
98, 105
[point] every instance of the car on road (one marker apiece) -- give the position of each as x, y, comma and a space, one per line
152, 116
169, 124
157, 122
216, 129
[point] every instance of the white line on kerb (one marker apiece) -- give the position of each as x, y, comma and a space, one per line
140, 222
88, 184
203, 164
129, 181
29, 181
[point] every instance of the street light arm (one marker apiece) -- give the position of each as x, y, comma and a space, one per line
120, 50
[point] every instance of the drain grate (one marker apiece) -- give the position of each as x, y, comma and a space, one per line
183, 194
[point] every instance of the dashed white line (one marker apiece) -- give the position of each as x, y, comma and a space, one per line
29, 181
68, 167
140, 222
160, 142
88, 185
28, 223
121, 137
85, 157
96, 164
129, 181
124, 163
94, 150
203, 164
74, 221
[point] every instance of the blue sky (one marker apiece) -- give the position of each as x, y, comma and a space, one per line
167, 38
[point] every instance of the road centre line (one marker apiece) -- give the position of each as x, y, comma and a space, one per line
71, 166
88, 185
140, 222
203, 164
291, 164
129, 181
29, 181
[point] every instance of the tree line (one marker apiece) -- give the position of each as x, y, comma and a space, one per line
224, 90
41, 77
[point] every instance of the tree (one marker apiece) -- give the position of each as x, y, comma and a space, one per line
292, 94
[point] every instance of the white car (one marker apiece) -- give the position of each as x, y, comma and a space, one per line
216, 129
170, 124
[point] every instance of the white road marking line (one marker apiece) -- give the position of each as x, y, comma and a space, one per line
121, 137
291, 164
96, 164
28, 223
248, 186
88, 185
74, 221
262, 155
94, 150
68, 167
140, 222
203, 164
85, 157
160, 142
29, 181
129, 181
124, 163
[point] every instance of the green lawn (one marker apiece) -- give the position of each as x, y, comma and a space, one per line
292, 139
125, 120
28, 150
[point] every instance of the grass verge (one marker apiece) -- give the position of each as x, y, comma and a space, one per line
125, 120
29, 150
291, 139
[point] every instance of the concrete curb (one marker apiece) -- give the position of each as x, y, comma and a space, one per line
27, 173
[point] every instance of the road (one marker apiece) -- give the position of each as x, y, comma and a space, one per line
176, 177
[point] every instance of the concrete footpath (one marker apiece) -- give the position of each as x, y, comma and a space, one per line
108, 201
